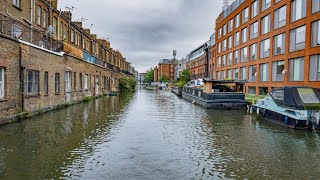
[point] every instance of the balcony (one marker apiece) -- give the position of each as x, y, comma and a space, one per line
198, 76
17, 30
109, 66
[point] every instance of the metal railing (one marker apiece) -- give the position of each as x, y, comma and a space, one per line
17, 30
198, 76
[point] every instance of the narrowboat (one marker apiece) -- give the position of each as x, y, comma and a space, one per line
176, 90
216, 94
294, 107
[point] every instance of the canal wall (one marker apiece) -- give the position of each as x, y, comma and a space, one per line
38, 80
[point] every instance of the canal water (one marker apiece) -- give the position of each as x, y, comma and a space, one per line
154, 135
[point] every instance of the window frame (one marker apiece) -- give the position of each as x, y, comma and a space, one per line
264, 72
2, 83
254, 9
255, 45
265, 24
245, 15
295, 7
244, 54
264, 5
244, 33
46, 83
254, 27
57, 83
68, 81
275, 71
292, 73
315, 6
263, 52
315, 33
314, 69
278, 23
16, 3
229, 42
294, 45
276, 43
33, 83
39, 14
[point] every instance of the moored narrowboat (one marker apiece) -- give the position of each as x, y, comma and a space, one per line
176, 90
215, 94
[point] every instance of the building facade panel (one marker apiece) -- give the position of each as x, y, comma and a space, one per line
274, 19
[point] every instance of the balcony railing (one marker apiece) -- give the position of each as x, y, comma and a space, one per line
198, 76
109, 66
17, 30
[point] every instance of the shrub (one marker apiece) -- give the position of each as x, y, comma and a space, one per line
127, 84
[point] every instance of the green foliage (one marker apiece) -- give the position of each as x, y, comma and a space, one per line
87, 99
149, 76
163, 78
127, 84
183, 78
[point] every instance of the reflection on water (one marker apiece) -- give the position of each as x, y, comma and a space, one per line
154, 135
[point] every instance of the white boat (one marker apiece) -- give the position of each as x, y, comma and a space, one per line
294, 107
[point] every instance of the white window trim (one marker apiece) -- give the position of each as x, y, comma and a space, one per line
15, 33
16, 3
68, 81
34, 83
39, 15
2, 93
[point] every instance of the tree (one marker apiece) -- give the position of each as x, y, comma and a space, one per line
127, 84
149, 76
184, 76
164, 78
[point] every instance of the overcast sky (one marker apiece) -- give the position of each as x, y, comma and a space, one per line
146, 31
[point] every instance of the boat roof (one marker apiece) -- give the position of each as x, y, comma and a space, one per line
225, 81
293, 87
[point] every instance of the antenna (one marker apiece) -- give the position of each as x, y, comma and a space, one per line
83, 19
70, 8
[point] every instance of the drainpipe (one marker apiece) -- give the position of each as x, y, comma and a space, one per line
59, 25
21, 79
32, 5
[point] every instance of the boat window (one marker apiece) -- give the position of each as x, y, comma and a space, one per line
278, 95
307, 95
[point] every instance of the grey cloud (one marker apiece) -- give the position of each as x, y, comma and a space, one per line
148, 30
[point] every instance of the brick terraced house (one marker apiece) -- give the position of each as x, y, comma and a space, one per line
270, 43
48, 61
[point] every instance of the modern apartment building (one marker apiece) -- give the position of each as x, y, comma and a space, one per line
270, 43
226, 4
198, 62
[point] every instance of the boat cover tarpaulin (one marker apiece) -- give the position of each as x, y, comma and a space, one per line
297, 97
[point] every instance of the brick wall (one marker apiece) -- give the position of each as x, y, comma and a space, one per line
43, 61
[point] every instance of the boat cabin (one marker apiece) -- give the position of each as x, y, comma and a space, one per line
296, 97
212, 86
